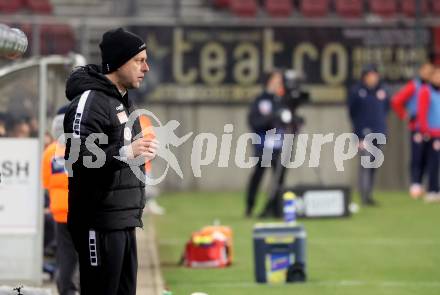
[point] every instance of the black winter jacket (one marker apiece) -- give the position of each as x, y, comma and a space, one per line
110, 197
264, 115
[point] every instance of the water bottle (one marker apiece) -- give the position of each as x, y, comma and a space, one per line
289, 208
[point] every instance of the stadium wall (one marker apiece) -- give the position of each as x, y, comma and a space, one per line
330, 119
209, 114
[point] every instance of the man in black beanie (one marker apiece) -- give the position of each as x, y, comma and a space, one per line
106, 202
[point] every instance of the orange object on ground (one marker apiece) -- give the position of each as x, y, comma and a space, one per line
211, 247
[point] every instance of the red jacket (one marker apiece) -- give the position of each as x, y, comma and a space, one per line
405, 103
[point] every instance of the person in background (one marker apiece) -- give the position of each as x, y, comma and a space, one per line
3, 120
55, 180
48, 139
429, 120
33, 126
263, 116
405, 105
368, 106
17, 126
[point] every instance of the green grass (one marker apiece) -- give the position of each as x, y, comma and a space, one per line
393, 249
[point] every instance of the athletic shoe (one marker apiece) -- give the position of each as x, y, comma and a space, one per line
432, 197
416, 191
248, 213
371, 203
153, 207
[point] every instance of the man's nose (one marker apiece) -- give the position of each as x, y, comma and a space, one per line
145, 68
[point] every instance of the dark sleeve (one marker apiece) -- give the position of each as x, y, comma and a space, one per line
387, 101
401, 97
91, 117
351, 102
257, 121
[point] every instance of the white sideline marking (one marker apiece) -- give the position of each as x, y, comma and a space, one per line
381, 242
312, 241
344, 283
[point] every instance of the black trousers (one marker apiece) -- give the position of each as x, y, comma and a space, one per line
419, 156
272, 205
433, 165
366, 180
107, 261
366, 176
67, 275
49, 228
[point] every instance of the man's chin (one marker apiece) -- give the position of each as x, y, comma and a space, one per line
135, 85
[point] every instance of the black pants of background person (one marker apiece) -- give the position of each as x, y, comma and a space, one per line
366, 179
434, 165
107, 261
67, 272
272, 207
49, 229
419, 156
50, 244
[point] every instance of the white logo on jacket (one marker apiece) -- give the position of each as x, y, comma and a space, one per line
122, 117
381, 94
265, 107
362, 93
120, 107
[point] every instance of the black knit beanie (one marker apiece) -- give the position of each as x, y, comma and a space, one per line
117, 47
368, 68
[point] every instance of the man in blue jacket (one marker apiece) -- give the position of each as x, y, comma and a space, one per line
368, 105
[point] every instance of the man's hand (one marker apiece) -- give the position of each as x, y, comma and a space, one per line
361, 145
144, 147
